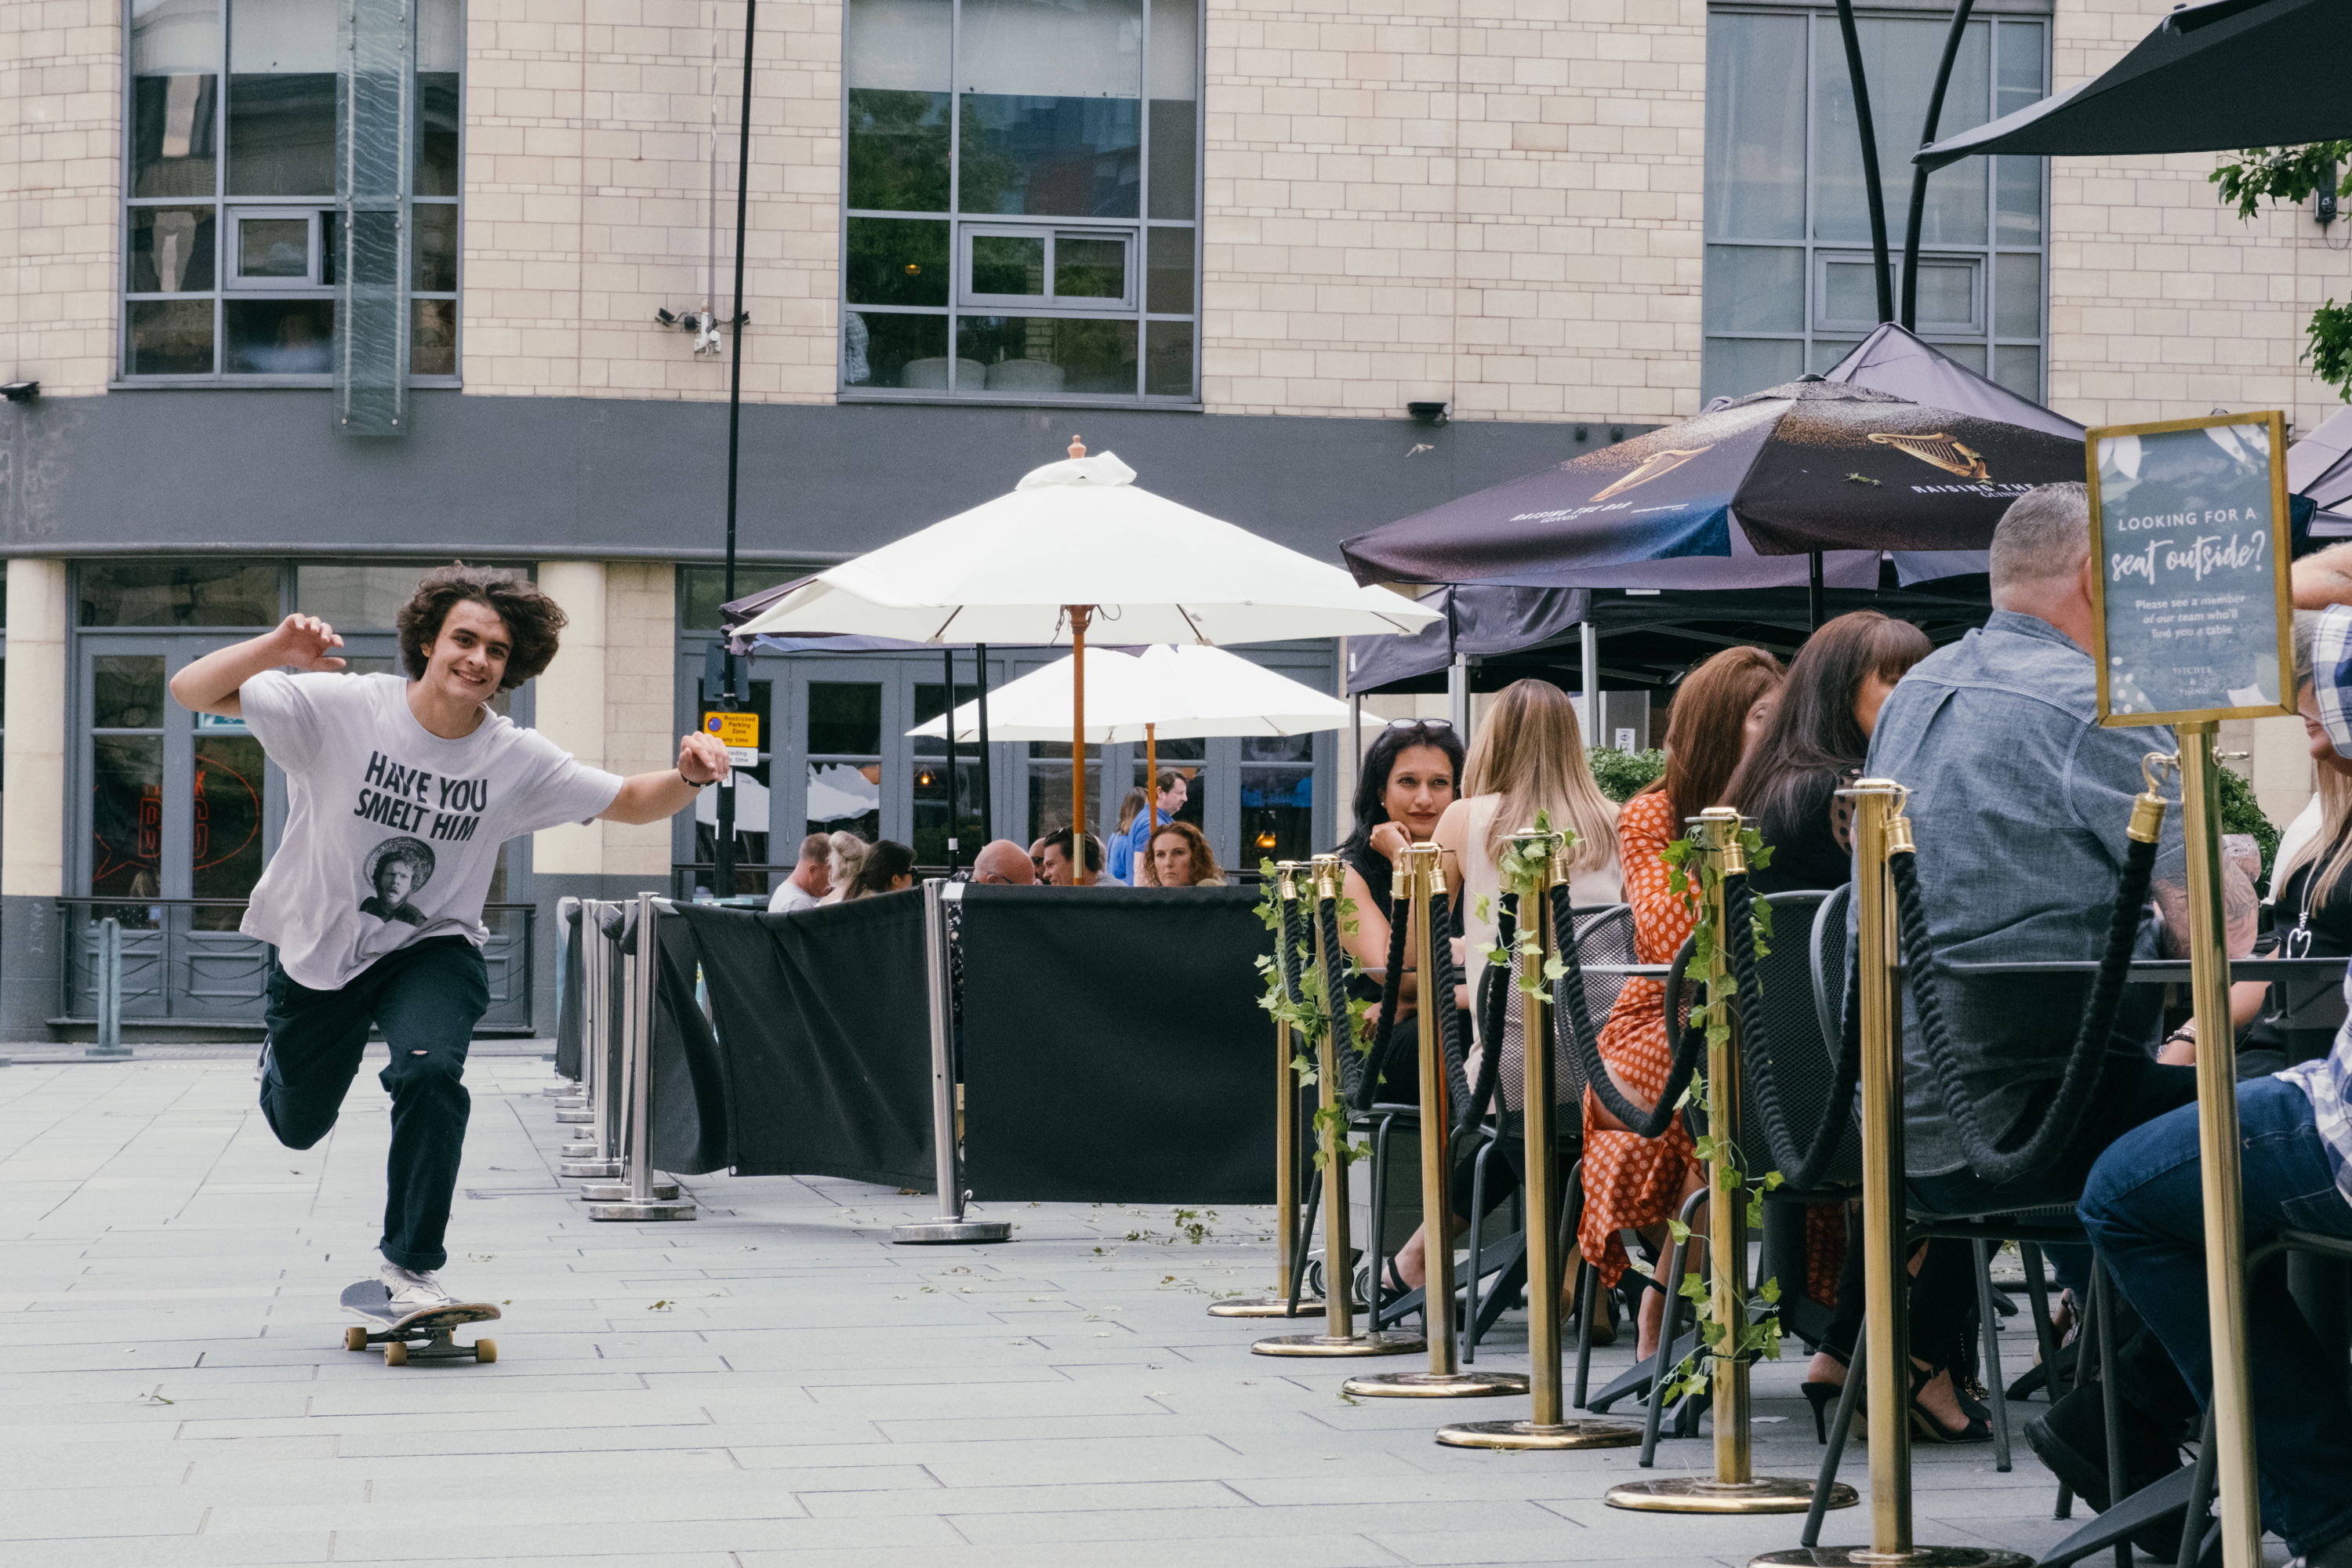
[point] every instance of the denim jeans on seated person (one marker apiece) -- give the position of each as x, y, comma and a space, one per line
2145, 1209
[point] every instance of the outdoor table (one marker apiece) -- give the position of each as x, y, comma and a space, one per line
2163, 971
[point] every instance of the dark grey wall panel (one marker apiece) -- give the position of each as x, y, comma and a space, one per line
265, 469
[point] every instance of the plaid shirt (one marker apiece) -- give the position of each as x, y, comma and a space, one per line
2329, 1082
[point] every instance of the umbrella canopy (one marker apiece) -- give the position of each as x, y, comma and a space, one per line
1810, 466
1172, 692
2224, 75
1081, 531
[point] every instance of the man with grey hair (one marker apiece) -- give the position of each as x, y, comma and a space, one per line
2021, 799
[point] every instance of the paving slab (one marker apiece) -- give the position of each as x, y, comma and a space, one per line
771, 1384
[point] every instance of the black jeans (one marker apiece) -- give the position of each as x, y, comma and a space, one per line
426, 997
1943, 1304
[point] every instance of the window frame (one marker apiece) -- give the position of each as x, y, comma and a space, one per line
1811, 334
228, 210
1138, 230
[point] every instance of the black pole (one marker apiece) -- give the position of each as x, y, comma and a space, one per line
949, 654
1813, 588
724, 871
1910, 317
987, 760
1877, 197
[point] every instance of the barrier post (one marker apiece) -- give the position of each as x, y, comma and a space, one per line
1278, 1304
1735, 1488
939, 987
1445, 1379
1338, 1337
2216, 1148
572, 1096
1546, 1425
1880, 829
110, 991
640, 988
596, 1153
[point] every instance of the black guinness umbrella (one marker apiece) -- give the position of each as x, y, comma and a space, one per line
1810, 466
2226, 74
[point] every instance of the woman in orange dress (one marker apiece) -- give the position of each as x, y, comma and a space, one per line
1631, 1183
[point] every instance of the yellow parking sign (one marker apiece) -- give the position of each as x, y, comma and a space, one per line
740, 733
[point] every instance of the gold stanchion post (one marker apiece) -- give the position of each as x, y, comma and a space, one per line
1545, 1426
1734, 1488
1285, 1142
1445, 1379
1880, 828
2217, 1139
1338, 1337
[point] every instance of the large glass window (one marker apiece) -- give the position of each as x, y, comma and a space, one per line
1022, 205
1790, 284
230, 230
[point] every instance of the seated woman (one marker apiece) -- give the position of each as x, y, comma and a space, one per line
1407, 780
1528, 760
841, 865
1631, 1183
1181, 857
1787, 787
887, 867
2145, 1210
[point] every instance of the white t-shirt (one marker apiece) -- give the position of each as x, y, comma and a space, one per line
392, 832
790, 896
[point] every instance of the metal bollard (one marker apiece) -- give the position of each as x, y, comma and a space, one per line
1338, 1337
1445, 1379
1279, 1304
639, 1200
110, 991
597, 1153
1545, 1426
946, 1168
1880, 827
1735, 1488
568, 1096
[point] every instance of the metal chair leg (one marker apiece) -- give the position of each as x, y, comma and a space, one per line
1306, 1239
1469, 1350
1659, 1365
1994, 1380
2110, 1410
1842, 1424
1376, 1244
2046, 1335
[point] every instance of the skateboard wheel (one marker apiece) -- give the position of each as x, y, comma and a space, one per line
355, 1338
395, 1355
485, 1350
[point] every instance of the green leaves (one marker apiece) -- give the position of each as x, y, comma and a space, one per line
2294, 174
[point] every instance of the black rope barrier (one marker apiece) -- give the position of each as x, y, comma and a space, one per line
1293, 938
1801, 1167
1334, 960
1493, 1004
2061, 1116
1453, 1027
1643, 1121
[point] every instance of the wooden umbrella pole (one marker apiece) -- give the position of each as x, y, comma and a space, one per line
1079, 615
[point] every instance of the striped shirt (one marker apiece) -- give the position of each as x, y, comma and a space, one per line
2329, 1082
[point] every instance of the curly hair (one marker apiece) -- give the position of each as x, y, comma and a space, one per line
533, 621
1206, 873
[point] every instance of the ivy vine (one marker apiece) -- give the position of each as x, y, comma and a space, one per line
2294, 174
1307, 1017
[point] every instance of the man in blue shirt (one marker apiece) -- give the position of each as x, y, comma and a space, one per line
1131, 850
2021, 799
2144, 1205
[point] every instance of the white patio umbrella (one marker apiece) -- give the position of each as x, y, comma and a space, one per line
1078, 543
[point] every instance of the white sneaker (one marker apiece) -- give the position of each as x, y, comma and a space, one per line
414, 1291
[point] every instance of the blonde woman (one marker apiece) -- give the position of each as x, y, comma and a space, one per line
1526, 758
842, 865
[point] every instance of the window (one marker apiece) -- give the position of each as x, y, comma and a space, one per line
1790, 284
702, 591
1023, 199
230, 232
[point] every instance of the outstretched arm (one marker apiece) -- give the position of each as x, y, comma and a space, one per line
651, 797
2324, 578
210, 684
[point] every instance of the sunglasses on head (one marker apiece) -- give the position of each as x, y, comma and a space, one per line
1419, 724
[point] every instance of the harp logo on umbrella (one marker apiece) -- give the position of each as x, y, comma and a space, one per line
1652, 467
1939, 450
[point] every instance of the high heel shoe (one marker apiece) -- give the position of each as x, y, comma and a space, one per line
1975, 1428
1823, 1398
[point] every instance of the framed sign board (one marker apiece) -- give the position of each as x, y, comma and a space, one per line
2191, 614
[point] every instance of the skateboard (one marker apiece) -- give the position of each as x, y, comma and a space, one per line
428, 1329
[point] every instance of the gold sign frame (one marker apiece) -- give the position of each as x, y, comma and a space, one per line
2282, 546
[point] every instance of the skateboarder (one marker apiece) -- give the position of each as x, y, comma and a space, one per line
399, 793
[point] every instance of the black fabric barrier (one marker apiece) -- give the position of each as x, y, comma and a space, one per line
825, 1035
1113, 1047
687, 1116
568, 997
